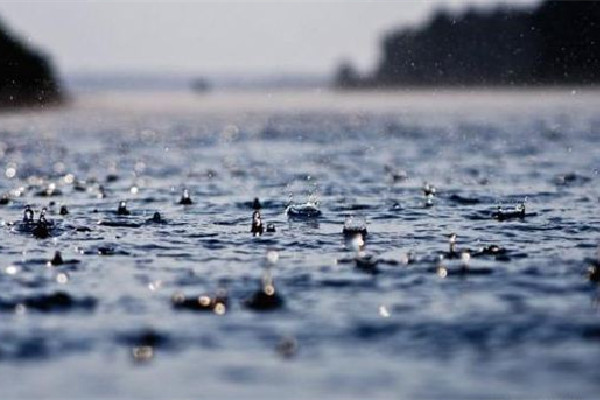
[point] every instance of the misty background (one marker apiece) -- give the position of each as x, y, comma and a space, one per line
164, 45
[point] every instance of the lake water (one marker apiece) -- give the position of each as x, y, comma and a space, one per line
526, 326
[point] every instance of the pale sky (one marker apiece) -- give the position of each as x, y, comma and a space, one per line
215, 36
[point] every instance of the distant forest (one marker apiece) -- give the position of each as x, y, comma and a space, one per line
554, 43
26, 77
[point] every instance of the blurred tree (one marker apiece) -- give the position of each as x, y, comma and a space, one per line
555, 43
346, 75
26, 77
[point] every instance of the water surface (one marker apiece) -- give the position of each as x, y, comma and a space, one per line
530, 328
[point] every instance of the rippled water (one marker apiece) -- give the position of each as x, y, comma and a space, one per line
106, 327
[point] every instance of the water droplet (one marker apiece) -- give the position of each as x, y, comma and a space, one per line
219, 309
383, 312
11, 270
62, 278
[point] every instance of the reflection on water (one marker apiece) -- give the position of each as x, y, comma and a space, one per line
148, 264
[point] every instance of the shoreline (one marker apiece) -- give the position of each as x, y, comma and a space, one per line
463, 88
59, 103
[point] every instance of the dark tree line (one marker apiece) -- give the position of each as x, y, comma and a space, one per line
26, 77
557, 42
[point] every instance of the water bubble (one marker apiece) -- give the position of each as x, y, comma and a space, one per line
383, 312
219, 309
185, 197
466, 257
442, 271
357, 242
11, 270
269, 290
142, 353
122, 210
62, 278
20, 309
204, 300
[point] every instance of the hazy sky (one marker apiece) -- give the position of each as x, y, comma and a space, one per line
215, 36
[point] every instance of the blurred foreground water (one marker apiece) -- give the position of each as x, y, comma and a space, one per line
104, 325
